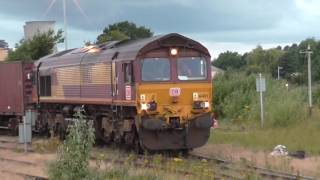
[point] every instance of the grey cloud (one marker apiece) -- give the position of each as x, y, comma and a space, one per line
187, 16
209, 20
162, 16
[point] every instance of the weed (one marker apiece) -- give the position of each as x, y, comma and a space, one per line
74, 153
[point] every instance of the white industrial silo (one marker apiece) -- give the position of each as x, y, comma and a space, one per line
32, 28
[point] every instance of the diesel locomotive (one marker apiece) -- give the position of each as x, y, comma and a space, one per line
152, 93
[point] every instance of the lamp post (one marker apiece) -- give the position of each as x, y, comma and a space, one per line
309, 52
279, 67
64, 7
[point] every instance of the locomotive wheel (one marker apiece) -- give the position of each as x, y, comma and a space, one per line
13, 126
137, 146
99, 131
62, 133
59, 131
185, 152
15, 131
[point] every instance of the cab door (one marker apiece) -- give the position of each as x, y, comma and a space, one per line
114, 81
128, 81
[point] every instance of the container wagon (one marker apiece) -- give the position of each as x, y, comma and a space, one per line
15, 93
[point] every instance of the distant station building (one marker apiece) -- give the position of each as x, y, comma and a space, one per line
3, 50
215, 70
32, 28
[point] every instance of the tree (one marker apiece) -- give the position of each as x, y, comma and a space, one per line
39, 46
3, 44
295, 63
229, 60
290, 58
263, 61
123, 30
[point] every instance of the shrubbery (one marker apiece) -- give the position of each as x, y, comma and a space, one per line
234, 93
74, 153
236, 100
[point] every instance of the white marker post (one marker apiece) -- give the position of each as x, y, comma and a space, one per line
279, 68
261, 87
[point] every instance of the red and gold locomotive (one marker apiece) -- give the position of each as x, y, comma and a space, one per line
153, 93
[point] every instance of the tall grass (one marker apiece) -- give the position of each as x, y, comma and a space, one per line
301, 136
287, 119
236, 101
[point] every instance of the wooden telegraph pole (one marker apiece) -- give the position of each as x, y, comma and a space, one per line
308, 52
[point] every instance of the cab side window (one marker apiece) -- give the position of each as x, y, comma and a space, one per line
45, 86
128, 72
34, 78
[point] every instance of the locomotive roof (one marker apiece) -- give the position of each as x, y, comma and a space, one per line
119, 50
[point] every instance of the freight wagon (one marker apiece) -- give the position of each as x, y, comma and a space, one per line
15, 93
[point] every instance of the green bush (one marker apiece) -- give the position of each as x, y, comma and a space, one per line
283, 107
316, 95
236, 100
74, 153
234, 93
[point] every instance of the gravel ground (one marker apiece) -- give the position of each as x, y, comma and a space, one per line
309, 166
14, 161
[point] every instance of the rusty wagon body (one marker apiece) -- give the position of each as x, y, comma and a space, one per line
15, 92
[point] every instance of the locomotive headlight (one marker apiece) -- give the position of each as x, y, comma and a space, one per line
205, 104
144, 106
173, 51
201, 104
151, 106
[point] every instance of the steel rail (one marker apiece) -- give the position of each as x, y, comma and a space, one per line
264, 172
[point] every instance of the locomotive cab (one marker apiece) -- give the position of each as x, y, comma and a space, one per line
174, 99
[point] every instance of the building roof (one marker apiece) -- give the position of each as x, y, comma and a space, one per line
216, 69
33, 22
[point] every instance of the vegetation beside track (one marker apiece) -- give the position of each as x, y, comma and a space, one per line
75, 155
302, 136
287, 119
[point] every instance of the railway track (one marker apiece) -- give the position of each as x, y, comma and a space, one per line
13, 144
17, 172
24, 175
7, 165
226, 169
262, 172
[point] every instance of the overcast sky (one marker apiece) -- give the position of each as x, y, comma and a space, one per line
235, 25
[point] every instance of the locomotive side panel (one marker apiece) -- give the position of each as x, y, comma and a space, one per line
80, 84
66, 82
96, 81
